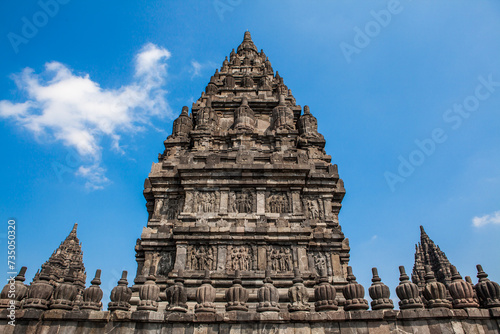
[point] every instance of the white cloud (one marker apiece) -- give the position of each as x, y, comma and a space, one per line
197, 68
493, 218
78, 112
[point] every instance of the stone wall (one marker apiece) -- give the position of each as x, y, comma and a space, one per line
431, 321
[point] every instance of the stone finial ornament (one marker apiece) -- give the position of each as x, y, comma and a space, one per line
461, 291
408, 294
488, 292
308, 125
65, 293
120, 295
244, 117
268, 296
183, 124
325, 295
93, 294
282, 116
354, 293
435, 292
297, 294
19, 289
205, 296
379, 293
177, 295
237, 295
149, 293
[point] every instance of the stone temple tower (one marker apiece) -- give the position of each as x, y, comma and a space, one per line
244, 184
427, 253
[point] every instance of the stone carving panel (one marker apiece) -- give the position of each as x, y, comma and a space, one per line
279, 258
321, 263
239, 258
242, 202
202, 257
166, 263
172, 206
313, 207
278, 202
205, 201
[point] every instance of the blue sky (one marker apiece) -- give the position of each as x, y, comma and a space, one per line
406, 93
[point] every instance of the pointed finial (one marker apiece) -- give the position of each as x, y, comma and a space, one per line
244, 101
97, 278
185, 111
429, 274
455, 275
247, 36
481, 274
403, 277
376, 278
73, 231
350, 275
306, 110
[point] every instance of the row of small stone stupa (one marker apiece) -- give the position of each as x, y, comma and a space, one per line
42, 295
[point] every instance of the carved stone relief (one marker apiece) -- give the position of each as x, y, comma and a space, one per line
172, 206
313, 207
280, 259
166, 263
202, 257
242, 202
278, 203
205, 201
320, 263
239, 258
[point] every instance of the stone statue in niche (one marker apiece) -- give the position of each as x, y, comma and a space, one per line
280, 259
206, 201
278, 203
166, 263
320, 264
239, 258
202, 257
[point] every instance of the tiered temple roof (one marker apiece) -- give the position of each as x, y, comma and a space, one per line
244, 184
67, 257
427, 253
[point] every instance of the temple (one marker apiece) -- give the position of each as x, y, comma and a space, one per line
427, 253
244, 184
243, 236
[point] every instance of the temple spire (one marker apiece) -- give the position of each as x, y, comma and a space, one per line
427, 253
68, 256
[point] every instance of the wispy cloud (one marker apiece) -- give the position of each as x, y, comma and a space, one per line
197, 68
76, 111
493, 218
